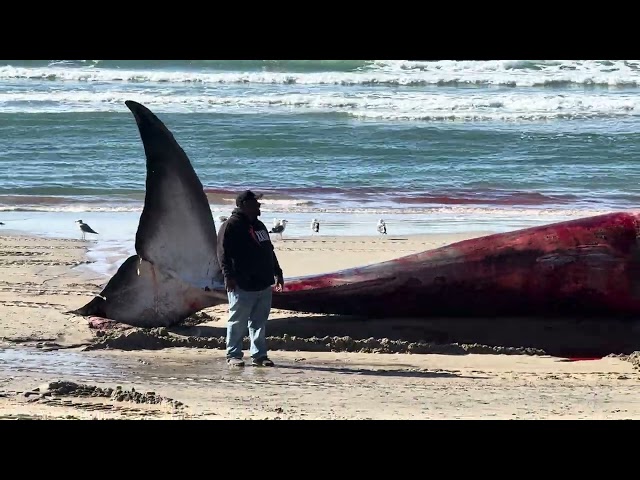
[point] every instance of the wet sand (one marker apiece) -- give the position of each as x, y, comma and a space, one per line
320, 386
327, 367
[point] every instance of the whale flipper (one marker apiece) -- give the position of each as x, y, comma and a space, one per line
176, 271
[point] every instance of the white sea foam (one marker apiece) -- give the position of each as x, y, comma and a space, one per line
303, 207
499, 72
416, 105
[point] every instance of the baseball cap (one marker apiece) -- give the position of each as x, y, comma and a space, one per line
247, 195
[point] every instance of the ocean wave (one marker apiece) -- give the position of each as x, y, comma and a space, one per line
391, 73
283, 208
393, 105
57, 204
201, 65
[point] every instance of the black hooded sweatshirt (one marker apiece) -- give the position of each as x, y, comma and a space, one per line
246, 254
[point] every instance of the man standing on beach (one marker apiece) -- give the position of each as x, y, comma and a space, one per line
250, 268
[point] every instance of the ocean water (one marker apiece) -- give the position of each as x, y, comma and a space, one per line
433, 146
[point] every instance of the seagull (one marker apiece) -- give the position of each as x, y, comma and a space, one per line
382, 227
279, 228
315, 226
276, 224
85, 228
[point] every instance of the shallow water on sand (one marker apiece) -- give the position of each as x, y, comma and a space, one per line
92, 367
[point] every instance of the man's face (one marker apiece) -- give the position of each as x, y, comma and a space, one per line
252, 207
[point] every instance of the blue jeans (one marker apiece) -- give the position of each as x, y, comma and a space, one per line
248, 310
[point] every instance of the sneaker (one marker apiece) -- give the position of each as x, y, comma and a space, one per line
235, 362
262, 362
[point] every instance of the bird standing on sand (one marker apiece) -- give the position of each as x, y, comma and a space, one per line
382, 227
279, 227
84, 228
315, 226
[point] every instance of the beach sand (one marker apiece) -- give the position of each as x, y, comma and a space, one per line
327, 367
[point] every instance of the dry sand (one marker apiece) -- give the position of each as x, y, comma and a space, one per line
327, 367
